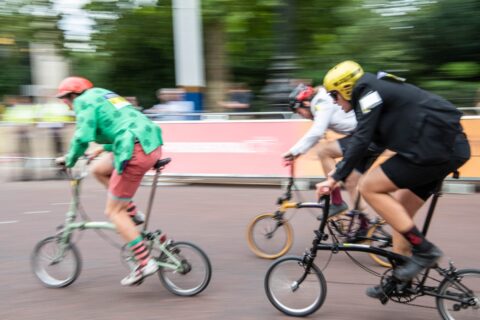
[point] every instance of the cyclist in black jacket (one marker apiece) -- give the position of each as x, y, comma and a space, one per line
425, 132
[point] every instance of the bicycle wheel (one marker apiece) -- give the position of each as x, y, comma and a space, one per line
194, 274
283, 291
466, 288
269, 237
379, 235
53, 269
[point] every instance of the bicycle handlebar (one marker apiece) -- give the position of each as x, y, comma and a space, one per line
70, 172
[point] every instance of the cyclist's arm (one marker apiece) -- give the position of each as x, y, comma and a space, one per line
322, 118
85, 132
370, 104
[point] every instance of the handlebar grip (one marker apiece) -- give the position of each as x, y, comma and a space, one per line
325, 197
325, 189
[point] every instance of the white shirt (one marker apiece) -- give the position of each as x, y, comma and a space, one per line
326, 115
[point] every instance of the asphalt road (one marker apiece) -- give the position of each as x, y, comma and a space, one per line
215, 218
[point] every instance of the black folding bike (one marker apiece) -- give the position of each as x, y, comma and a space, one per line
297, 287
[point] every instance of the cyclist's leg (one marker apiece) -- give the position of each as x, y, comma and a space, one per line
351, 184
103, 168
116, 210
420, 180
327, 153
376, 188
121, 190
412, 203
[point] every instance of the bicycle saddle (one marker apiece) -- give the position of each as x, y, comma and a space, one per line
162, 163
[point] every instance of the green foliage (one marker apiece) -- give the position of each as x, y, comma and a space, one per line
18, 29
462, 93
461, 69
137, 52
420, 40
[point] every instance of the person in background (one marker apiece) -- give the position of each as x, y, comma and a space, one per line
424, 131
133, 143
238, 98
134, 102
172, 105
317, 105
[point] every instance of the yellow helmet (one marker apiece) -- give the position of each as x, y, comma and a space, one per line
342, 78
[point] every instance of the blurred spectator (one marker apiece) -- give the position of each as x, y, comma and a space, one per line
134, 102
53, 116
21, 113
172, 105
238, 98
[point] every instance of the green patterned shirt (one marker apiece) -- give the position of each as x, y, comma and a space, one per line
109, 119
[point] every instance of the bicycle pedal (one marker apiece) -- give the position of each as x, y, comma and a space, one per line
384, 300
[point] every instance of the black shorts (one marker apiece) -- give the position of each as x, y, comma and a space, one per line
368, 159
423, 180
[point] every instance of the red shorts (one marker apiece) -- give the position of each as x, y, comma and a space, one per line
123, 187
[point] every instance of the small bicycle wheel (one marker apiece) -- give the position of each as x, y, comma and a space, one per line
379, 235
269, 237
194, 274
52, 267
290, 297
459, 299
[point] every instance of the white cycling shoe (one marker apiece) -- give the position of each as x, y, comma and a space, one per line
137, 275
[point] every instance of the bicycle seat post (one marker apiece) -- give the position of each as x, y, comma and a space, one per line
437, 194
152, 196
158, 168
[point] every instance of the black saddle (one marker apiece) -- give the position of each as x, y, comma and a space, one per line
161, 163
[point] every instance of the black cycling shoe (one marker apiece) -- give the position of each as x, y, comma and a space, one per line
335, 209
419, 261
375, 292
359, 236
380, 293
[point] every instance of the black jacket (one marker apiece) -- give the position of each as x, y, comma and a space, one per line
403, 118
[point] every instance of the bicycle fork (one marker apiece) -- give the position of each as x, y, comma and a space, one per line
308, 259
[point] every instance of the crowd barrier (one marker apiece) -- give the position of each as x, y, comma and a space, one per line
247, 149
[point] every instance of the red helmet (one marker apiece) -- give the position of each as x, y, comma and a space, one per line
73, 85
300, 94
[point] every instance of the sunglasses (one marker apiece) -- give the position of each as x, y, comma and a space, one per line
334, 95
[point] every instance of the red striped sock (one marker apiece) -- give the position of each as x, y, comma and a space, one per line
141, 253
132, 209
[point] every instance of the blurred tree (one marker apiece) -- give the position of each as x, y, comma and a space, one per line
447, 43
135, 43
448, 32
23, 22
134, 49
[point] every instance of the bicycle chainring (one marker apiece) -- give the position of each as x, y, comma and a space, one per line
399, 292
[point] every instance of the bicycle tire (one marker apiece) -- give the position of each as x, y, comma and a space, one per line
284, 231
51, 278
378, 231
291, 269
459, 311
179, 282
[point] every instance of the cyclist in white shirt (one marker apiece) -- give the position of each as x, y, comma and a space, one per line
317, 105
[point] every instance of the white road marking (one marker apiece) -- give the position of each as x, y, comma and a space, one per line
7, 222
60, 203
35, 212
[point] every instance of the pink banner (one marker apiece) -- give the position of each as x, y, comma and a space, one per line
255, 148
237, 148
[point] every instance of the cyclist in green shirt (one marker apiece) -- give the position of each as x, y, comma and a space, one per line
134, 145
